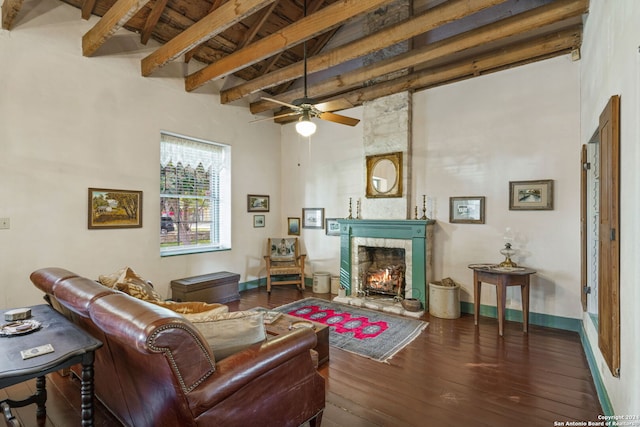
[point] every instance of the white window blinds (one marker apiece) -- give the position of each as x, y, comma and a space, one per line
195, 201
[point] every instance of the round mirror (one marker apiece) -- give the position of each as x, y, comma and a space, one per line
384, 176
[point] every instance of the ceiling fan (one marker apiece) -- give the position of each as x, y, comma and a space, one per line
307, 108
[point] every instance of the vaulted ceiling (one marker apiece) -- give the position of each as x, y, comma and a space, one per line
262, 43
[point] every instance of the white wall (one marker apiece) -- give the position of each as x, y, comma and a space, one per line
473, 137
611, 66
68, 123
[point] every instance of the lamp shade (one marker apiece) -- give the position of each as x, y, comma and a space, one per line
305, 126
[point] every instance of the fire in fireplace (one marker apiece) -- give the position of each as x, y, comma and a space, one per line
383, 270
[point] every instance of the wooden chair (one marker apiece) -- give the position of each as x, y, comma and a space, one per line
284, 262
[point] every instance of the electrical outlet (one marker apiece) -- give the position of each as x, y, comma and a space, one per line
4, 223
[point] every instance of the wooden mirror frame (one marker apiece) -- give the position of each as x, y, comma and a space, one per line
396, 189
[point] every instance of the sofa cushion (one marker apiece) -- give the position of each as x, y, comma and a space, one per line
195, 311
130, 282
232, 332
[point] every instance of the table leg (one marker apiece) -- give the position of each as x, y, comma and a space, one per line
86, 393
477, 288
524, 289
501, 291
40, 398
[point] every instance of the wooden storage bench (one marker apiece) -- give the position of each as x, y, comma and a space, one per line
218, 287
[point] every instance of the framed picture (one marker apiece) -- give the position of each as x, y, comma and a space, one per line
258, 221
293, 225
333, 227
466, 210
256, 203
531, 195
313, 218
114, 208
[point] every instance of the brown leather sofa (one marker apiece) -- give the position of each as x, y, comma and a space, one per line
156, 369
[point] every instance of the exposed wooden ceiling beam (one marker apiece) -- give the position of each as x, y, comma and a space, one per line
152, 20
389, 36
310, 26
111, 21
211, 25
87, 8
10, 9
514, 25
545, 46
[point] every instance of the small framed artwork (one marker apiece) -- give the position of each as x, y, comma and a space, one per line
333, 227
293, 225
256, 203
258, 221
531, 195
466, 210
114, 208
313, 218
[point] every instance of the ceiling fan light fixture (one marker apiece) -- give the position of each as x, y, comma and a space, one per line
305, 126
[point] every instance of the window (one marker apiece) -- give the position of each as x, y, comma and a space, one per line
195, 190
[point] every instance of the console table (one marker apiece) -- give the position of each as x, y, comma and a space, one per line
501, 278
71, 346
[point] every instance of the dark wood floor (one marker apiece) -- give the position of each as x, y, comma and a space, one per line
453, 374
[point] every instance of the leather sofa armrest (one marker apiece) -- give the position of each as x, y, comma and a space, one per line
240, 369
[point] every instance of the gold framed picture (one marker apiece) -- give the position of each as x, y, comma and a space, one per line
114, 208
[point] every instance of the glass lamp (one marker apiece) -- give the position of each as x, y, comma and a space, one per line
305, 126
508, 252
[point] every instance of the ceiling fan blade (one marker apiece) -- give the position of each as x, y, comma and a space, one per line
286, 104
279, 116
337, 118
335, 105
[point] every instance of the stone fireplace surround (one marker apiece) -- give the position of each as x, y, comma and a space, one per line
414, 236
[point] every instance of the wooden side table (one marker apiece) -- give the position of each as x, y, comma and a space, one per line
281, 326
71, 346
502, 278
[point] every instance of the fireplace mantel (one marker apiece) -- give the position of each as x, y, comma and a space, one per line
419, 232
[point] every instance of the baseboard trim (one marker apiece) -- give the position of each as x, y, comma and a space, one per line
539, 319
603, 396
256, 283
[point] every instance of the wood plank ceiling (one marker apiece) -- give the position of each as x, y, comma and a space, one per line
260, 42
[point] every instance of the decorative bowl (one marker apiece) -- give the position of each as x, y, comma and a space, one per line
411, 304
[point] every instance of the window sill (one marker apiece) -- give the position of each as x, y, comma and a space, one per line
192, 250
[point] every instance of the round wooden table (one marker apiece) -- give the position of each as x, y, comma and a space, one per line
502, 277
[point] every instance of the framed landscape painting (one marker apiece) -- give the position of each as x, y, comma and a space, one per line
531, 195
114, 208
257, 203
